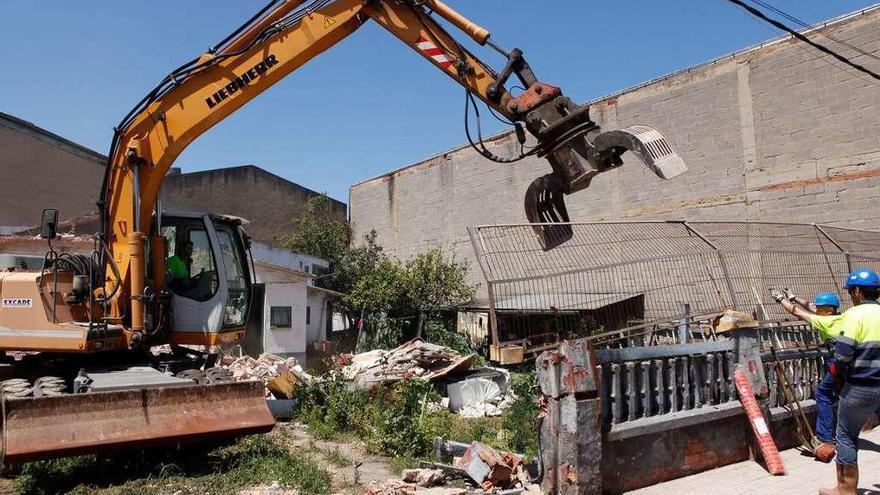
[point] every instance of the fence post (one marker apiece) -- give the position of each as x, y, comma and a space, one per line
721, 261
571, 431
747, 352
684, 334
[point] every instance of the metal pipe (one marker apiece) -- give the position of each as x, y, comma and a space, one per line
274, 16
498, 48
136, 195
476, 32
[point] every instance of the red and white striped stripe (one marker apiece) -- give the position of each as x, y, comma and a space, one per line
428, 47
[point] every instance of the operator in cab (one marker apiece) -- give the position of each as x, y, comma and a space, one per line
178, 267
823, 315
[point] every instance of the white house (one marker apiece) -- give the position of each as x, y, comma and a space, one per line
296, 313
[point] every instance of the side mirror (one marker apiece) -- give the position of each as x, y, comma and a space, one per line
49, 224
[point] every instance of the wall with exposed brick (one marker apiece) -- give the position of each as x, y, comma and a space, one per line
774, 133
39, 169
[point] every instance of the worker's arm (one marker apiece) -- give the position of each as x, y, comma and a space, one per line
827, 326
796, 309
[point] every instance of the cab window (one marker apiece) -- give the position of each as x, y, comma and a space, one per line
190, 267
237, 304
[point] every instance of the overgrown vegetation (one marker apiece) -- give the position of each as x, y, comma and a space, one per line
395, 420
255, 460
375, 285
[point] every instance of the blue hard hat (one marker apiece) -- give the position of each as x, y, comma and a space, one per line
862, 277
827, 299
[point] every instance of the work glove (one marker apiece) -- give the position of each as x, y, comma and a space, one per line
777, 295
789, 294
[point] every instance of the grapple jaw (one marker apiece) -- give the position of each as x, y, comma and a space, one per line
545, 209
575, 161
646, 143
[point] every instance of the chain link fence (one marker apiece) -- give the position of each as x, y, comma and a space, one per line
618, 276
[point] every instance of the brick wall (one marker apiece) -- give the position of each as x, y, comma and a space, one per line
41, 170
775, 133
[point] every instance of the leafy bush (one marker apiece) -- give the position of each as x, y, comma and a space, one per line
391, 421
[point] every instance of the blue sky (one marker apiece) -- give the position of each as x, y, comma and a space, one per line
367, 106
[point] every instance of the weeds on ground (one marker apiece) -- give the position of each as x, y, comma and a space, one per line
225, 470
395, 421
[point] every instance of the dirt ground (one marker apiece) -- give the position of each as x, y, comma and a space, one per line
350, 466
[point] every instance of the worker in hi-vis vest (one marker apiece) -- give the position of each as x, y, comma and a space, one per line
858, 360
822, 314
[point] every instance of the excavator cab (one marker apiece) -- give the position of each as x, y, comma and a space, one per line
208, 274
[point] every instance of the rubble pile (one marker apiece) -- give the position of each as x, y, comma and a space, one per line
484, 469
265, 367
414, 359
280, 375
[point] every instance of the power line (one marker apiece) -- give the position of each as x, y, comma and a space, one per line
757, 13
817, 29
813, 55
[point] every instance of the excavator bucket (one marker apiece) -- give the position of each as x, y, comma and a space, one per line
96, 422
577, 161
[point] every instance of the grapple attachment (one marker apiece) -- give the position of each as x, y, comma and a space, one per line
45, 427
545, 205
646, 143
576, 161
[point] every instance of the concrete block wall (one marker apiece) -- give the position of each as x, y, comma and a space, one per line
775, 133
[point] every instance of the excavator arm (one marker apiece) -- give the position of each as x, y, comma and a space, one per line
282, 37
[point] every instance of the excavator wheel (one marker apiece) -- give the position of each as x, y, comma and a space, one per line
197, 376
49, 386
217, 375
16, 387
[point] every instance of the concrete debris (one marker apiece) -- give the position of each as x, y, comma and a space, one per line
478, 397
414, 359
391, 487
490, 469
280, 375
274, 489
424, 477
441, 490
487, 470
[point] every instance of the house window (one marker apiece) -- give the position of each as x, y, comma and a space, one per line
280, 316
308, 315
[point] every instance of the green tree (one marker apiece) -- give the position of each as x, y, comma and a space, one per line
434, 282
379, 289
318, 233
371, 281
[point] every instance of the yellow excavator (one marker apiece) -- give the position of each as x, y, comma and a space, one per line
85, 323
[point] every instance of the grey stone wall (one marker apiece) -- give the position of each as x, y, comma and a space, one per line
269, 202
775, 133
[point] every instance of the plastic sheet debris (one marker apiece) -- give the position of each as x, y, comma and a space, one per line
483, 393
